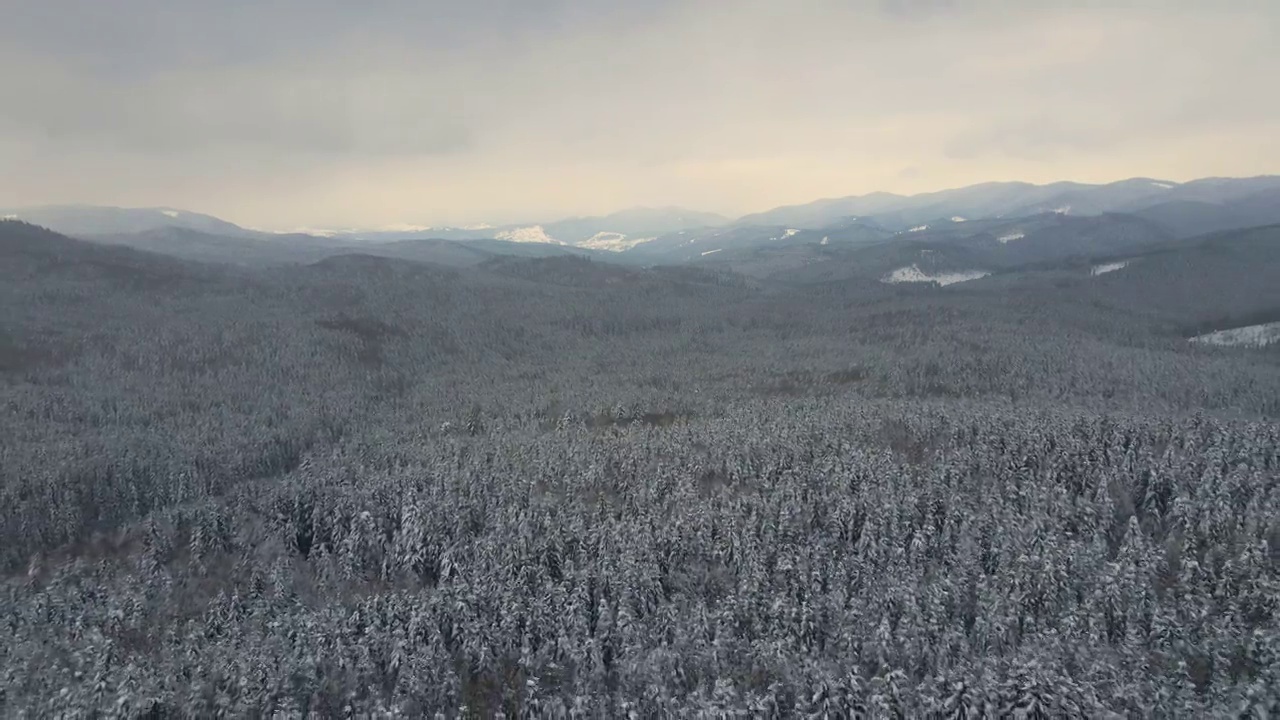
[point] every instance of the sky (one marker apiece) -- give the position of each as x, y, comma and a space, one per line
281, 114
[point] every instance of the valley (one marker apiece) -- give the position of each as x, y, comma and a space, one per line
785, 469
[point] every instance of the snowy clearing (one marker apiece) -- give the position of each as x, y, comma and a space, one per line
612, 242
1249, 336
1004, 239
913, 274
1105, 268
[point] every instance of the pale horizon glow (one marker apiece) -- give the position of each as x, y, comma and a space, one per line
317, 114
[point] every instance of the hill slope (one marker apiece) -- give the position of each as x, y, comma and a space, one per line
999, 199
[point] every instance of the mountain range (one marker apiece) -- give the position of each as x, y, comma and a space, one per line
675, 235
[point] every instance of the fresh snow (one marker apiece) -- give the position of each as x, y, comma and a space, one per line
1250, 336
913, 273
1105, 268
918, 228
1005, 239
612, 241
532, 234
316, 232
406, 228
712, 251
392, 228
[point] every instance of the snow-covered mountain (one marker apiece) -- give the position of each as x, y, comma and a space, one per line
641, 222
616, 232
76, 220
666, 234
531, 234
1012, 199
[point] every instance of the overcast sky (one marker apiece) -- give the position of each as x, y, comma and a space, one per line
329, 113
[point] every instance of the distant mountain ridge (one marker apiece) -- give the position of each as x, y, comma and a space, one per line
74, 220
615, 231
1003, 199
675, 234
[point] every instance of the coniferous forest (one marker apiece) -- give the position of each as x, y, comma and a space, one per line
531, 487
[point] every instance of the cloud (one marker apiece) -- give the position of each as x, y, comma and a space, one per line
275, 112
918, 8
1038, 138
284, 112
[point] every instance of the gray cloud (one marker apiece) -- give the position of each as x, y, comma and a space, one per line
918, 8
273, 112
289, 112
1040, 138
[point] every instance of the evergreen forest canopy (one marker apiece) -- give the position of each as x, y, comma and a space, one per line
793, 478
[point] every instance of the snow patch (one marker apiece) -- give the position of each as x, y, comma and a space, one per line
825, 240
392, 228
918, 228
532, 234
913, 274
169, 213
606, 237
9, 217
712, 251
1249, 336
1105, 268
612, 241
315, 232
789, 232
1005, 239
407, 228
1064, 210
1164, 186
957, 218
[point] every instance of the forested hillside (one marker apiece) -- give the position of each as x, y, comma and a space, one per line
557, 487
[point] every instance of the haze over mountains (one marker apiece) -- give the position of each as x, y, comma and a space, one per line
997, 233
982, 219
